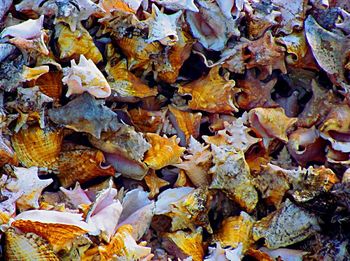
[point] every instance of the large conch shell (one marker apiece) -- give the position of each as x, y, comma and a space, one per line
86, 77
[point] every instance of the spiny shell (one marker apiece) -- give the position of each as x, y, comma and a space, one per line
27, 246
86, 77
37, 147
82, 165
164, 151
73, 44
211, 93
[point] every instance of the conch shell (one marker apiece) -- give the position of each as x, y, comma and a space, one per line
29, 29
86, 77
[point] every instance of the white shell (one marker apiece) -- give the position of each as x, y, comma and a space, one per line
77, 196
169, 196
178, 5
27, 30
86, 77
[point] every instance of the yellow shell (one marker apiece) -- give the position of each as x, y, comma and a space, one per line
235, 230
164, 151
211, 93
29, 247
37, 147
58, 235
154, 183
81, 165
73, 44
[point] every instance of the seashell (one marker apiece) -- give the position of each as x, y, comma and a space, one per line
85, 114
137, 211
169, 197
7, 154
266, 55
104, 214
184, 244
186, 123
85, 77
27, 246
73, 44
227, 6
30, 74
76, 196
286, 226
6, 5
51, 85
223, 254
231, 174
344, 24
29, 29
258, 255
284, 253
235, 135
305, 145
255, 93
58, 228
270, 122
37, 147
176, 5
210, 26
120, 5
197, 163
147, 121
8, 206
292, 15
125, 86
6, 50
123, 245
329, 49
164, 151
167, 65
211, 93
154, 183
236, 231
81, 165
162, 27
31, 187
126, 149
260, 18
11, 74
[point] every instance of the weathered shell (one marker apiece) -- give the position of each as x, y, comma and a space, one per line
235, 231
86, 77
211, 93
27, 246
231, 174
37, 147
286, 226
184, 244
81, 165
73, 44
163, 152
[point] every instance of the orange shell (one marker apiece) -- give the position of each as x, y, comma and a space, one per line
147, 121
51, 84
58, 235
7, 155
236, 230
109, 5
258, 255
187, 122
154, 183
81, 165
27, 247
37, 147
164, 151
211, 93
73, 44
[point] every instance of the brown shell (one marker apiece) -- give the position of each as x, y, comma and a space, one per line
81, 165
147, 121
38, 147
58, 235
7, 155
211, 93
51, 84
27, 246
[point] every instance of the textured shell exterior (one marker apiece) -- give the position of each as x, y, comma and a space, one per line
147, 121
37, 147
27, 246
7, 154
81, 165
164, 151
51, 85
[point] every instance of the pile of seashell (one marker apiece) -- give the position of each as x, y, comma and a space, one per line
175, 130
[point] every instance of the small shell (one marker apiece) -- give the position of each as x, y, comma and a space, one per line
31, 187
270, 122
286, 226
162, 27
27, 246
73, 44
126, 87
164, 151
184, 244
37, 147
29, 29
176, 5
211, 93
235, 231
82, 165
86, 77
